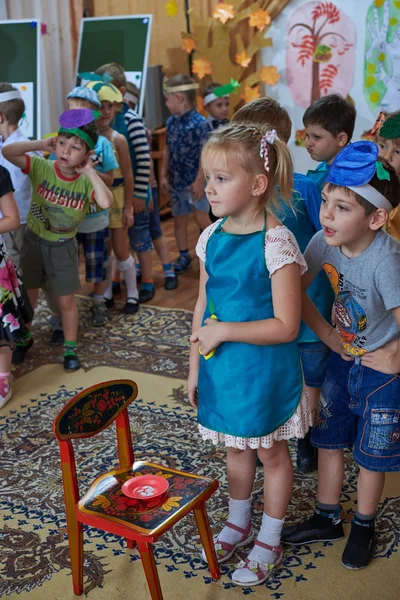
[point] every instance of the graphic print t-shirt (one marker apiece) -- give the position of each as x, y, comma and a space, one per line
366, 290
58, 204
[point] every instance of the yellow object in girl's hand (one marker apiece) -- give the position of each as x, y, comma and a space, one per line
210, 354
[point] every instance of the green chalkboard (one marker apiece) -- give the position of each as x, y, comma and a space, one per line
20, 66
124, 39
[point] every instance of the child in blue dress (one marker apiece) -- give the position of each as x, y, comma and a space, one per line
245, 375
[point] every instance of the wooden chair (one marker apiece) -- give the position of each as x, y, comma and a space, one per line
104, 506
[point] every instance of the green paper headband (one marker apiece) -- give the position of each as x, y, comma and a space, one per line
221, 91
391, 128
80, 134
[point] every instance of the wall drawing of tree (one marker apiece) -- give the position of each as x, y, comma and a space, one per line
319, 41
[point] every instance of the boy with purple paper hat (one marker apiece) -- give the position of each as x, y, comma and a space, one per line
62, 192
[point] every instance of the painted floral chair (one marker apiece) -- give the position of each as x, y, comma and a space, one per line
104, 506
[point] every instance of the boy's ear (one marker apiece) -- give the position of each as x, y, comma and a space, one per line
378, 219
342, 139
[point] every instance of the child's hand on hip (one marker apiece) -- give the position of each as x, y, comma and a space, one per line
333, 342
385, 359
209, 337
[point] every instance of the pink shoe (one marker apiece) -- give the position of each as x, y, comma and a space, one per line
250, 572
224, 550
5, 390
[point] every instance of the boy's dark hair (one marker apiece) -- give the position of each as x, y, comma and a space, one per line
388, 188
114, 70
177, 80
12, 110
265, 110
333, 113
90, 129
210, 88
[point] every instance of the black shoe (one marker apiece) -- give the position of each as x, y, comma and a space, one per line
359, 550
57, 337
309, 532
19, 353
71, 362
131, 307
307, 455
171, 282
146, 295
116, 287
109, 302
138, 277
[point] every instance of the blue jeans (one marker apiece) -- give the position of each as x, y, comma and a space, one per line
183, 203
360, 407
139, 233
314, 359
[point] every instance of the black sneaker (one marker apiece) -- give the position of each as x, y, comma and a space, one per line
146, 295
171, 282
359, 550
183, 263
310, 531
307, 455
71, 363
19, 352
131, 307
57, 337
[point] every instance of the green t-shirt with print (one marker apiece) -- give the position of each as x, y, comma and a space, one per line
58, 204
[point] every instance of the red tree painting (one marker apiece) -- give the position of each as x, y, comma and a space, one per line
320, 39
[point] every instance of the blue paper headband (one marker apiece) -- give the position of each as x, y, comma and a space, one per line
354, 167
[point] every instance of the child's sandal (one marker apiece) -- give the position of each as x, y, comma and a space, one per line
224, 550
249, 572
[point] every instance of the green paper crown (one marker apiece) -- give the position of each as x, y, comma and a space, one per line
226, 89
391, 128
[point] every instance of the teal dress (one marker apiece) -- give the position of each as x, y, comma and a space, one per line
244, 390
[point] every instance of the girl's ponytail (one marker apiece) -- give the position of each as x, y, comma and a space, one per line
283, 177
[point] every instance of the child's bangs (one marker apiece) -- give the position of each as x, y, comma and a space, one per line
222, 150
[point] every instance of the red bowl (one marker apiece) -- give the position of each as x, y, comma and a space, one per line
145, 487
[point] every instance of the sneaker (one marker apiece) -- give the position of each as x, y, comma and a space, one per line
131, 307
307, 455
20, 352
146, 295
171, 282
359, 550
57, 337
309, 532
183, 263
71, 363
99, 315
224, 550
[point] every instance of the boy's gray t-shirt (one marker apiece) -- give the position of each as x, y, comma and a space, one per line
367, 288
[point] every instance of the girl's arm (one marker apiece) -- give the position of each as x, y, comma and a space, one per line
194, 359
10, 212
124, 161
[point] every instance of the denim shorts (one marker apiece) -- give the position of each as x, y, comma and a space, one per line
154, 217
139, 233
360, 407
95, 249
183, 203
314, 359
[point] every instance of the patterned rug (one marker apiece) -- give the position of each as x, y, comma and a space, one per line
34, 562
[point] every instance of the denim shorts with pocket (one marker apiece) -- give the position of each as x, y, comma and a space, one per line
183, 203
139, 233
314, 359
360, 407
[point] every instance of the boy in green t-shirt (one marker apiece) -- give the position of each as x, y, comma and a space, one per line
62, 192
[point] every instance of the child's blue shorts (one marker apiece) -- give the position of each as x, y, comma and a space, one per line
314, 359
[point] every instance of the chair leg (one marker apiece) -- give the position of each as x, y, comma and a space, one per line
75, 541
150, 569
200, 514
130, 544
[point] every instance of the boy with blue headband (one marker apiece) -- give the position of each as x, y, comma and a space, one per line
62, 192
359, 405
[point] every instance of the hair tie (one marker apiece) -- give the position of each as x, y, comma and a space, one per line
268, 138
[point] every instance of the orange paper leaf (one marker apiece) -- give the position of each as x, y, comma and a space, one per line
223, 12
242, 59
250, 93
269, 75
259, 19
188, 45
201, 67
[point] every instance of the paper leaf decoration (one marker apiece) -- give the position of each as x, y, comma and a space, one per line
223, 12
381, 172
78, 117
188, 44
171, 8
391, 128
201, 67
250, 93
242, 59
269, 75
259, 19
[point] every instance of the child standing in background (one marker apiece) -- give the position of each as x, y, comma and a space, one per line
216, 105
182, 177
245, 374
121, 213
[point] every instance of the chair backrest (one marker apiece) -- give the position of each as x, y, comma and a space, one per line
94, 409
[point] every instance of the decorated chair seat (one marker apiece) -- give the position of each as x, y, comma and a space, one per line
104, 505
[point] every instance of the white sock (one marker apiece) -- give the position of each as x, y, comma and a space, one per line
128, 270
109, 271
239, 515
270, 533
